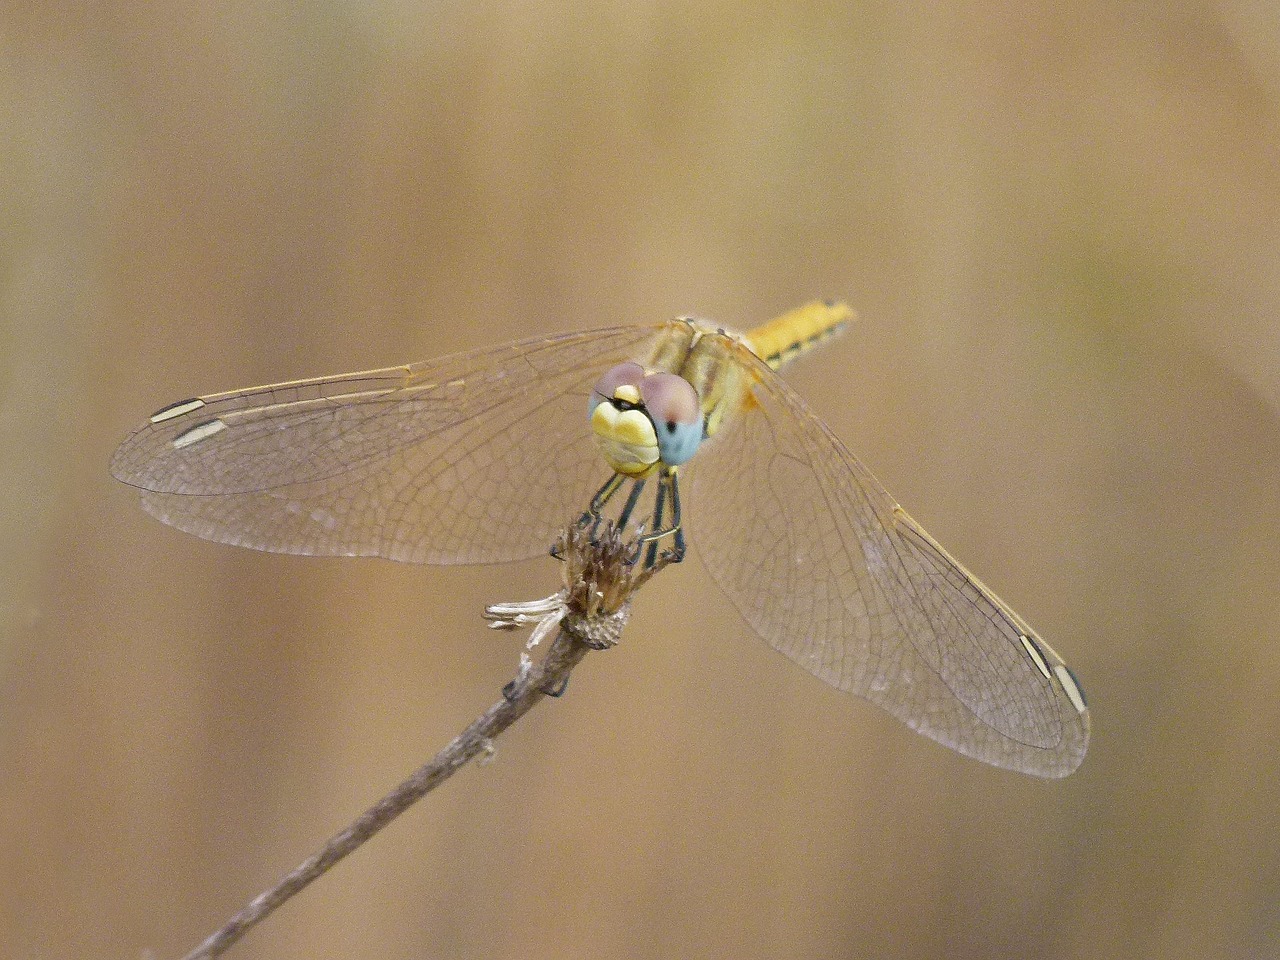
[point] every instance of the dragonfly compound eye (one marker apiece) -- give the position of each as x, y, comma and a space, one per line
673, 406
619, 383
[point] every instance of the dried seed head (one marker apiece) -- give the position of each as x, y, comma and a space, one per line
600, 575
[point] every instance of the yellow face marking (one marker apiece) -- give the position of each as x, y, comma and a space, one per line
626, 439
630, 427
176, 410
627, 392
201, 431
618, 463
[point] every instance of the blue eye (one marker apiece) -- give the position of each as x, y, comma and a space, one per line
672, 402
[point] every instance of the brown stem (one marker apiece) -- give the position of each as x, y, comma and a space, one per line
590, 613
550, 674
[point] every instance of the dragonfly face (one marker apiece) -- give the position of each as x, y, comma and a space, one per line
484, 457
644, 421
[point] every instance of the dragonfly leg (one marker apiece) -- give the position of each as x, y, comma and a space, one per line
509, 691
636, 487
558, 689
659, 510
666, 502
676, 525
513, 688
603, 496
591, 516
668, 489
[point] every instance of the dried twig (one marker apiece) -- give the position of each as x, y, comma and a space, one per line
589, 612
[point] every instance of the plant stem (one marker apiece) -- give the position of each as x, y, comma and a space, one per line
549, 674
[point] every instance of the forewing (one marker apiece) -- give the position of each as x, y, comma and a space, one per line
831, 572
479, 457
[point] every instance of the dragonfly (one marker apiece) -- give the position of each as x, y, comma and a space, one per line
480, 457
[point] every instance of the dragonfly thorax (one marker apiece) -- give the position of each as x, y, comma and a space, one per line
642, 421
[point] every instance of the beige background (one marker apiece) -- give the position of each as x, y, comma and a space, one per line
1059, 222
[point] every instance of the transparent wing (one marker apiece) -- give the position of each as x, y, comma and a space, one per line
831, 572
475, 458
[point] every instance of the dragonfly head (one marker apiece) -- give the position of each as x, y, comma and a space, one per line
644, 420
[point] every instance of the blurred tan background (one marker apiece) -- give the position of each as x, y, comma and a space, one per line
1060, 224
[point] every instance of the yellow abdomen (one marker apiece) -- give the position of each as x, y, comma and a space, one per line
796, 331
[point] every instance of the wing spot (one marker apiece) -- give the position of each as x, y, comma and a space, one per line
176, 409
201, 431
1072, 688
1034, 653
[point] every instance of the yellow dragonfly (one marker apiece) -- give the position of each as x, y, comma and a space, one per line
484, 456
